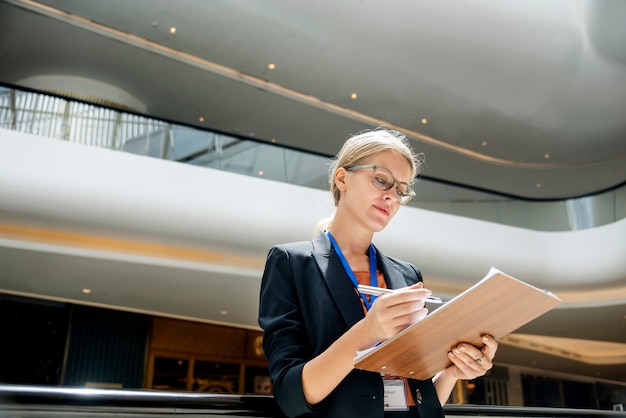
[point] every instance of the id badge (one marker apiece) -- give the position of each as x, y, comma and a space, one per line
395, 395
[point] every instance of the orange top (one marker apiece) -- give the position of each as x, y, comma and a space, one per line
363, 277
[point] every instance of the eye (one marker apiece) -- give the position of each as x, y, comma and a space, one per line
402, 189
382, 180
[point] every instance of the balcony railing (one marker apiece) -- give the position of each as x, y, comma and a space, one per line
70, 120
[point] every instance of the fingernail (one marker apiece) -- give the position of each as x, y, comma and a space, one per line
485, 339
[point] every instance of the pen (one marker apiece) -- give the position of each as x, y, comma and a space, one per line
377, 291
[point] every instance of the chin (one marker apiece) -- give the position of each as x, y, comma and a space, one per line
377, 227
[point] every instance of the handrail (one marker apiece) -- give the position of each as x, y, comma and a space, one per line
53, 116
43, 401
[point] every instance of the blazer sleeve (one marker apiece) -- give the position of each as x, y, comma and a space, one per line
285, 342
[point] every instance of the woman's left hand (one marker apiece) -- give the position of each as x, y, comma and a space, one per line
470, 362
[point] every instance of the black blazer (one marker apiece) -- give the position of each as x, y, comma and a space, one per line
307, 301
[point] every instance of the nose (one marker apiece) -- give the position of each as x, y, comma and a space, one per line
391, 194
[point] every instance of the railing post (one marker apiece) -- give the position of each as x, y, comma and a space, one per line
13, 110
146, 144
65, 126
165, 144
218, 151
115, 142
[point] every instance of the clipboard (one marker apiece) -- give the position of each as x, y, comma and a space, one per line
497, 305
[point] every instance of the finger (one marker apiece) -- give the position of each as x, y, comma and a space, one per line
490, 347
400, 322
467, 367
399, 302
468, 354
397, 316
409, 294
415, 286
408, 313
413, 316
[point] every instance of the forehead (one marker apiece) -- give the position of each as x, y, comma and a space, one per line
393, 162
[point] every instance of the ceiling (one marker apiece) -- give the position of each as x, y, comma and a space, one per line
542, 85
525, 99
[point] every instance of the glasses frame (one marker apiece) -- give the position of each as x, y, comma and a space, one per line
403, 198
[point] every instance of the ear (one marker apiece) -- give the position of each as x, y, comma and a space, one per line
340, 178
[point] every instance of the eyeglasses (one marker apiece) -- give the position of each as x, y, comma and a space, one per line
383, 180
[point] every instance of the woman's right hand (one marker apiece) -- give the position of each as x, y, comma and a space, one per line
394, 312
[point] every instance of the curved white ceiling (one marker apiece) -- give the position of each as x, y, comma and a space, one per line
515, 94
51, 184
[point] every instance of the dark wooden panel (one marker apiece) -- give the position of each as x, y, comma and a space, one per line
197, 338
255, 346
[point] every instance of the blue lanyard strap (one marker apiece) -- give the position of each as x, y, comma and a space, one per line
350, 273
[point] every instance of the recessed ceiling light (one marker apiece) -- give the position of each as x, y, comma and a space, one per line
173, 30
271, 66
484, 143
201, 118
354, 96
261, 172
86, 291
424, 121
539, 185
224, 312
546, 156
273, 139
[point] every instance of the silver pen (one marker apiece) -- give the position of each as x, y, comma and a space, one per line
378, 291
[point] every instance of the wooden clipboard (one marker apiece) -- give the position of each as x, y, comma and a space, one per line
497, 305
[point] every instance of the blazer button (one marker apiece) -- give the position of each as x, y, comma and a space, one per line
418, 396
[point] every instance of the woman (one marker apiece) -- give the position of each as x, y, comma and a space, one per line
314, 319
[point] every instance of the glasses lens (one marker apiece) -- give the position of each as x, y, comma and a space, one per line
382, 179
403, 189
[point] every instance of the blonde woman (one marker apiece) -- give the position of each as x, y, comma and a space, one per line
315, 320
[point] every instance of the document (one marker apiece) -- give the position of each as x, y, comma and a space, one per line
497, 305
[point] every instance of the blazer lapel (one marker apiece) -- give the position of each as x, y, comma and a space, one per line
393, 276
337, 280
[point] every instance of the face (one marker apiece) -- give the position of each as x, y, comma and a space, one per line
371, 207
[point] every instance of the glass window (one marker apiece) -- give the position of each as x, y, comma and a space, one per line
215, 377
170, 374
258, 381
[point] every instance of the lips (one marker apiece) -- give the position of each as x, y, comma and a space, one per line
383, 209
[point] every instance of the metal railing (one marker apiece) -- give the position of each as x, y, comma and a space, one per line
42, 402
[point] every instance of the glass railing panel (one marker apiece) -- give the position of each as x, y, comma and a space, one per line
586, 212
459, 201
187, 144
264, 160
547, 216
513, 212
619, 199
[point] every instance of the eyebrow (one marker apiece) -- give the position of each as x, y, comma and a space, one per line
408, 183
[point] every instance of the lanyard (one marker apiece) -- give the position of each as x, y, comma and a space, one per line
350, 273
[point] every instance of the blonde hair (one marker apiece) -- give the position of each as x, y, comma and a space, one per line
365, 145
